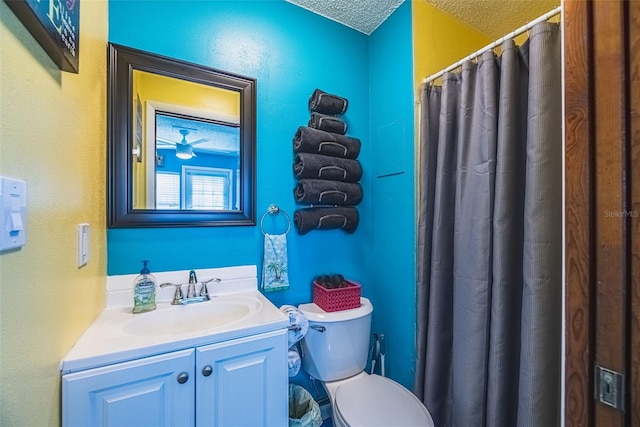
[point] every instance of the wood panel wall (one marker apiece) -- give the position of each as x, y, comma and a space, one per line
610, 216
578, 199
602, 118
634, 107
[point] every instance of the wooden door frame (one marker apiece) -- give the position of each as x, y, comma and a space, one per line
634, 155
602, 237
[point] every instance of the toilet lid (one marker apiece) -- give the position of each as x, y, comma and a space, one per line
379, 401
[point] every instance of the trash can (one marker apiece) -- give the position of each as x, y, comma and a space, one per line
303, 410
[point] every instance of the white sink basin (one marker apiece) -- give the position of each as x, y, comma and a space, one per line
237, 309
192, 318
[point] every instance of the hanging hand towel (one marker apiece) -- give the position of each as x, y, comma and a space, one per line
274, 268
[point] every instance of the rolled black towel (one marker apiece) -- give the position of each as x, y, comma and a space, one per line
326, 103
327, 123
323, 192
308, 219
309, 140
317, 166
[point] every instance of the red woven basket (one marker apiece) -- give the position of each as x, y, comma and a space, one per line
338, 298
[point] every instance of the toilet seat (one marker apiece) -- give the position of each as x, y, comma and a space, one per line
373, 400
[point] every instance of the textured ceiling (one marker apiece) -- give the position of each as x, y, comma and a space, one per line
495, 18
361, 15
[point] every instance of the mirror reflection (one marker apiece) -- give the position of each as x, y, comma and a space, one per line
186, 152
181, 140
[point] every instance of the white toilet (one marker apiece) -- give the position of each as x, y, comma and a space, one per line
335, 351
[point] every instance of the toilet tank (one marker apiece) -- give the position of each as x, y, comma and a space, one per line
336, 345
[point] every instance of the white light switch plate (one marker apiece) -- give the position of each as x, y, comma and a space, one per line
83, 244
13, 213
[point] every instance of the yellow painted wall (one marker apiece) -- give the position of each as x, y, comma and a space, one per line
439, 40
185, 93
52, 135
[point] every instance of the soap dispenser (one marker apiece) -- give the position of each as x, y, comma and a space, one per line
144, 291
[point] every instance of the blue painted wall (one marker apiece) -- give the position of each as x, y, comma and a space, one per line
393, 191
291, 52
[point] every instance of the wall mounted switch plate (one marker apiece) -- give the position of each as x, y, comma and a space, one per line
83, 244
13, 213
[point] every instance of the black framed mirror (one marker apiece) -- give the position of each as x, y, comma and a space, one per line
181, 143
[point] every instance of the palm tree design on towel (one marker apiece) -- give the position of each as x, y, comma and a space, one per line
277, 269
274, 270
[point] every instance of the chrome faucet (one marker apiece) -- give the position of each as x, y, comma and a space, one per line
179, 298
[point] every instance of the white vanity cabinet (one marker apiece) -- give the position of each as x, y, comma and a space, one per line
234, 383
151, 391
243, 382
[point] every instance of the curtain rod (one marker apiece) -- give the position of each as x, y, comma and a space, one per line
498, 42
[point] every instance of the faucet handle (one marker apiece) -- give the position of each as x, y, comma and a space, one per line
177, 296
204, 292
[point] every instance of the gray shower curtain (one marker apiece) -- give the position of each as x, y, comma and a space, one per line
489, 289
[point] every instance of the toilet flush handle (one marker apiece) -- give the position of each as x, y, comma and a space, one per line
319, 328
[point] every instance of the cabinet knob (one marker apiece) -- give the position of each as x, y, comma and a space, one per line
207, 370
183, 378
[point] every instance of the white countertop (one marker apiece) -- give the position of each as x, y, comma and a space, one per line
106, 341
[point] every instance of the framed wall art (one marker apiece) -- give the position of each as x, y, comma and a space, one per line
55, 24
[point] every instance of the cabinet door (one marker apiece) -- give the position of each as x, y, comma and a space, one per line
243, 382
154, 391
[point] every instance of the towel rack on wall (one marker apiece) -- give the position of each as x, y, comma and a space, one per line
275, 210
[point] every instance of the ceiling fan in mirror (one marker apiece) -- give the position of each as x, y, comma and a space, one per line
184, 148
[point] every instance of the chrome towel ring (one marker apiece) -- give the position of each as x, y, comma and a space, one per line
275, 210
